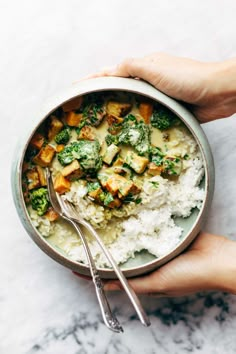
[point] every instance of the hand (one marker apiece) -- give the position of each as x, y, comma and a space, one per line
208, 264
209, 88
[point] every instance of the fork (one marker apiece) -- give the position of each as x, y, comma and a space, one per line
110, 320
71, 212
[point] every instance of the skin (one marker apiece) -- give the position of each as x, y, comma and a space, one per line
209, 89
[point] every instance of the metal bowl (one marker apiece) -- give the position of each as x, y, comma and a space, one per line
143, 262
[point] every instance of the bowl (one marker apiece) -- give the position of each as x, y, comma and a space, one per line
143, 261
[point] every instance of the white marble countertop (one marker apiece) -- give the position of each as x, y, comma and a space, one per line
45, 46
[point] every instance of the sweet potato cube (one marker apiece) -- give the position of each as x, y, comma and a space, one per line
73, 104
110, 153
45, 156
154, 170
72, 171
55, 126
118, 109
37, 141
33, 179
136, 162
146, 110
41, 175
86, 133
51, 215
59, 147
61, 184
73, 119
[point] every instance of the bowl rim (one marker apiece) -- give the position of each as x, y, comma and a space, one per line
114, 84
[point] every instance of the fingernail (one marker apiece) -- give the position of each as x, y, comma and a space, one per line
111, 287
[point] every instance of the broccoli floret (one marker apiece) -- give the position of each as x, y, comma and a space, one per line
86, 151
66, 156
112, 139
136, 135
163, 118
63, 137
39, 200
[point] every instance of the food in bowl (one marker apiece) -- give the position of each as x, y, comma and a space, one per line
126, 162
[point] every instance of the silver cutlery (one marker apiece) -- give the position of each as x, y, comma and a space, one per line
110, 320
71, 212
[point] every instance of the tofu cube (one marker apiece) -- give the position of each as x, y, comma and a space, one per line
72, 171
55, 126
86, 133
61, 184
36, 178
146, 110
73, 119
42, 178
121, 185
118, 109
103, 176
33, 179
45, 156
37, 141
73, 104
118, 166
154, 170
111, 119
110, 153
136, 162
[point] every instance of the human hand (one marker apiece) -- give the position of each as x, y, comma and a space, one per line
208, 264
209, 88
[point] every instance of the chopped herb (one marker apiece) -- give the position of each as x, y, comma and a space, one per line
108, 199
154, 183
111, 139
138, 200
93, 186
186, 157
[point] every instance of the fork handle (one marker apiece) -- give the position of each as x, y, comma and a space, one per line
128, 289
109, 319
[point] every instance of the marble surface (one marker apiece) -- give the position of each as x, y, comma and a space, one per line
45, 46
